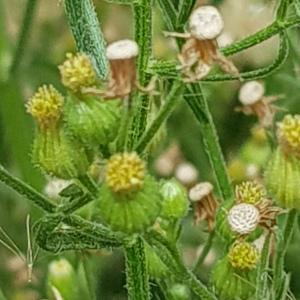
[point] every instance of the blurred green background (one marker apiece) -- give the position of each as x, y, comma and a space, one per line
48, 41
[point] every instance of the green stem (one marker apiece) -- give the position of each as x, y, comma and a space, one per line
25, 190
262, 273
282, 9
89, 276
87, 33
167, 108
142, 10
281, 249
199, 106
23, 35
136, 271
205, 251
260, 36
172, 260
88, 183
185, 9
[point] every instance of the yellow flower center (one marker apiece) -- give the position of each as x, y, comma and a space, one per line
289, 133
125, 172
250, 192
77, 72
46, 105
243, 255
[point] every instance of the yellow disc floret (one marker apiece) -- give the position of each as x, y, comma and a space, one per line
77, 72
243, 255
250, 192
289, 133
46, 105
125, 172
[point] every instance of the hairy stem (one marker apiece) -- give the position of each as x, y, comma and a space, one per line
172, 260
167, 108
281, 249
23, 35
142, 10
25, 190
86, 30
199, 106
136, 271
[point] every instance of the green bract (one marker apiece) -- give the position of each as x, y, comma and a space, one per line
91, 121
282, 177
130, 212
58, 155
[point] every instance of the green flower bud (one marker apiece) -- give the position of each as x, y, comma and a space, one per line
61, 281
282, 174
175, 204
282, 177
53, 151
156, 268
234, 277
91, 121
129, 200
179, 292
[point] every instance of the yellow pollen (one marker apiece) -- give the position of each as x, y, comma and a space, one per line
125, 172
46, 105
250, 192
77, 72
243, 255
289, 132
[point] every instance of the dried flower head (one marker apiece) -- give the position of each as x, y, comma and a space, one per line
289, 134
123, 49
206, 23
205, 203
243, 256
125, 172
186, 173
46, 106
243, 218
250, 192
251, 92
77, 72
200, 51
254, 102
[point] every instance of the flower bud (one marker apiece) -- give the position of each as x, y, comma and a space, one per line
175, 204
129, 199
179, 292
234, 277
91, 121
283, 170
77, 72
62, 280
53, 151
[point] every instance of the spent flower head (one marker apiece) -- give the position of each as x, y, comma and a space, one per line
243, 256
77, 72
251, 92
125, 172
289, 133
250, 192
46, 106
243, 218
123, 49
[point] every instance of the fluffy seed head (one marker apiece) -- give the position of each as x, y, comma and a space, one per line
200, 191
243, 256
125, 172
251, 92
186, 173
123, 49
46, 105
250, 192
243, 218
206, 23
77, 72
289, 132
